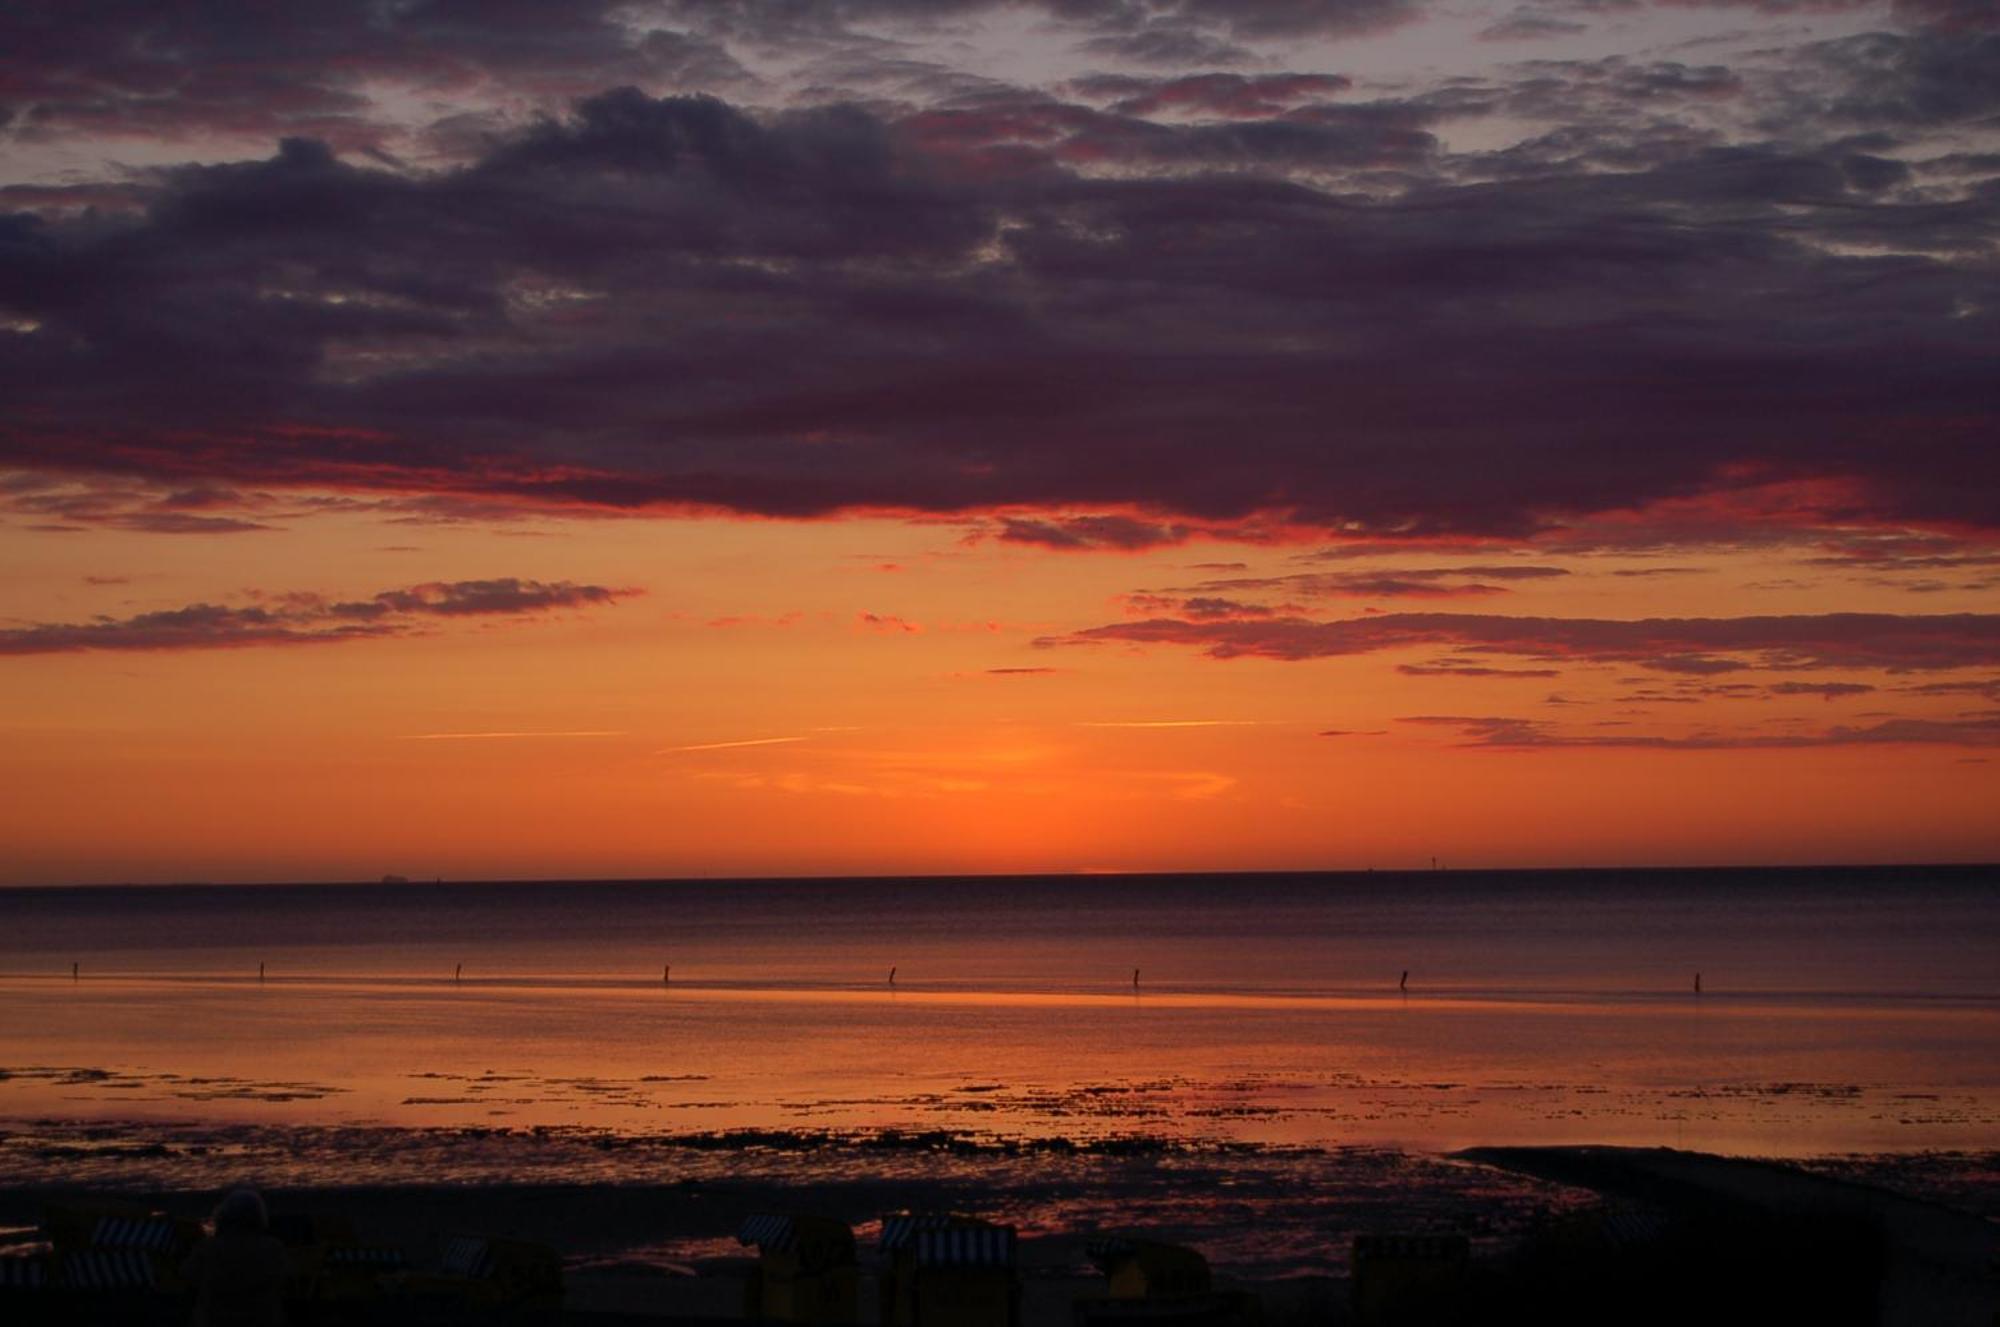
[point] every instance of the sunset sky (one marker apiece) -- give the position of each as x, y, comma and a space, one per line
696, 438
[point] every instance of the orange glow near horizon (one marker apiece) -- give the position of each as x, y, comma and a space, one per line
774, 701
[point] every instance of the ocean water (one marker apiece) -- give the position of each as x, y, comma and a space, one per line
1841, 1011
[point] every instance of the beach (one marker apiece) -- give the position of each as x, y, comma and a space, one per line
649, 1228
424, 1059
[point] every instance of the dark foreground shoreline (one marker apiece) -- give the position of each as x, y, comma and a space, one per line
1832, 1239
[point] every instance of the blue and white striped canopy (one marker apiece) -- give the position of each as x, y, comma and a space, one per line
108, 1269
468, 1256
769, 1232
899, 1231
157, 1234
966, 1246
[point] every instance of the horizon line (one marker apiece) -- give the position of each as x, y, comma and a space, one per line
1071, 874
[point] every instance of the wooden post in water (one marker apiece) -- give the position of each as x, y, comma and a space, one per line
458, 973
667, 974
260, 972
892, 976
1135, 979
1404, 984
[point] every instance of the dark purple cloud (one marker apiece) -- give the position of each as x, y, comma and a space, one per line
503, 595
1077, 533
1691, 646
1536, 734
1384, 583
1217, 300
1107, 22
1904, 552
1452, 668
1225, 96
1528, 25
304, 619
245, 68
1824, 690
1989, 688
175, 522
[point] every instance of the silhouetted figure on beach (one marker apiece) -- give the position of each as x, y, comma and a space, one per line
892, 976
666, 974
1404, 984
458, 973
1135, 979
1697, 983
75, 971
238, 1274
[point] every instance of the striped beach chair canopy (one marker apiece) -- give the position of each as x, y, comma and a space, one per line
151, 1234
108, 1269
900, 1232
966, 1246
770, 1232
819, 1242
18, 1273
468, 1256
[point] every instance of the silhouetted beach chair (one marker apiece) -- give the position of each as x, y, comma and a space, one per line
25, 1283
103, 1287
108, 1249
97, 1287
113, 1224
106, 1270
805, 1270
1150, 1281
949, 1271
25, 1271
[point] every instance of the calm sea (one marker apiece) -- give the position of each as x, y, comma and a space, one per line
1839, 1011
